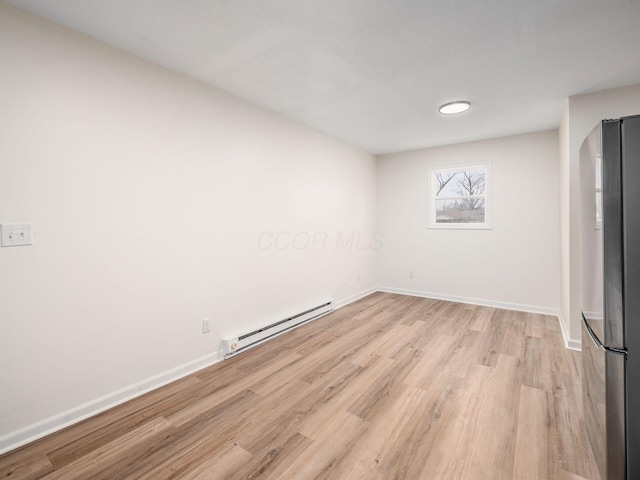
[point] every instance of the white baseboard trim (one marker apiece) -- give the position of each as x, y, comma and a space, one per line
474, 301
568, 342
352, 298
74, 415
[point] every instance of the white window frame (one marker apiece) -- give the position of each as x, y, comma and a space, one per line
486, 225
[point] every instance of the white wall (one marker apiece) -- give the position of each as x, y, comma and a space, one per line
565, 264
584, 112
516, 264
148, 195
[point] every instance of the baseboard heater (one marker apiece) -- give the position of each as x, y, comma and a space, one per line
235, 345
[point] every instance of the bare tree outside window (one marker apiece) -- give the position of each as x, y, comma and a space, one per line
459, 197
444, 179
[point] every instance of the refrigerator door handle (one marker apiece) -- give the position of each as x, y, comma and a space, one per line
597, 341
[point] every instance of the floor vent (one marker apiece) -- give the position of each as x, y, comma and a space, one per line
235, 345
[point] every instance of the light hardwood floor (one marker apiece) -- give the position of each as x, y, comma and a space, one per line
389, 387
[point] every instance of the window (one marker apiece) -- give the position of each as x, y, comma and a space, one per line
459, 197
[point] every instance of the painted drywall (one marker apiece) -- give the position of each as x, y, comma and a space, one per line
515, 264
584, 112
565, 266
155, 202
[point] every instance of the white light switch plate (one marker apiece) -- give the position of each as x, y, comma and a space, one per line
15, 234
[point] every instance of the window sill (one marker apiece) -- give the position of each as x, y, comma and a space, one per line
460, 226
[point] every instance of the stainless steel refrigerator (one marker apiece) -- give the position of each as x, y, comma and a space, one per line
610, 285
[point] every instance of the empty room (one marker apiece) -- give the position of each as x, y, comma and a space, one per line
296, 239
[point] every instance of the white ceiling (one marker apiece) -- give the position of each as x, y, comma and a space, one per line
373, 72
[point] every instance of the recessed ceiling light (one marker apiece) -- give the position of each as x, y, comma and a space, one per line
452, 108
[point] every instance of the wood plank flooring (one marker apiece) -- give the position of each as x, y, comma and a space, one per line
389, 387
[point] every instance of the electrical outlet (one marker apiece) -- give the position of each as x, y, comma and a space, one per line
16, 234
411, 274
206, 325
